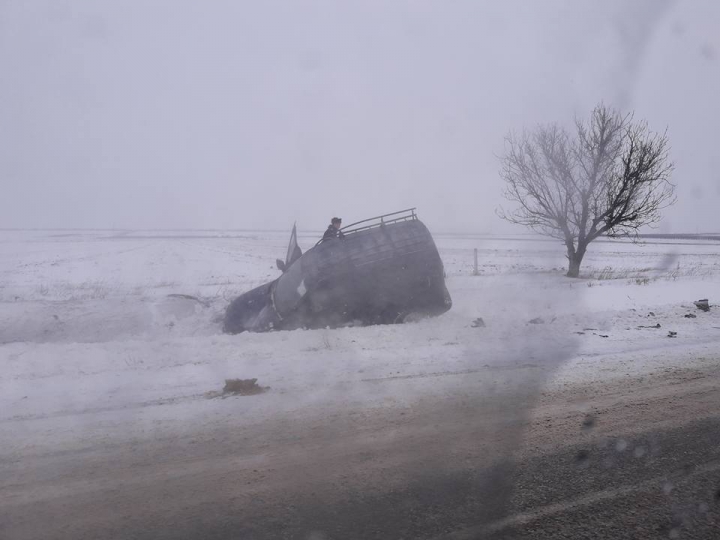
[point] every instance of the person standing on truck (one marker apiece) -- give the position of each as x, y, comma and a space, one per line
333, 230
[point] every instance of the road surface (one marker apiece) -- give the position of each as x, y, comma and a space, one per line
636, 457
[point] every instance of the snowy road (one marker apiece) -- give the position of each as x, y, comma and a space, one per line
112, 426
564, 462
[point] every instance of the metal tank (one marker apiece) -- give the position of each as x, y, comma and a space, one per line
385, 270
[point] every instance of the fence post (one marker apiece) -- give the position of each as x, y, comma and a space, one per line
475, 270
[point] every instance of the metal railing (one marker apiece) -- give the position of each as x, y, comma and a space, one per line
379, 221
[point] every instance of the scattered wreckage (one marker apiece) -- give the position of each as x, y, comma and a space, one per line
385, 270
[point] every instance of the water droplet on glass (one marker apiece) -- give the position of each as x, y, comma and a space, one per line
621, 445
582, 458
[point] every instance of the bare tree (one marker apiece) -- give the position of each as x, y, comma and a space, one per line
610, 177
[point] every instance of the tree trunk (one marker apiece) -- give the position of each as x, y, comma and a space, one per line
574, 261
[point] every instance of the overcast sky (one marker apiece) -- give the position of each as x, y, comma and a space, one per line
254, 114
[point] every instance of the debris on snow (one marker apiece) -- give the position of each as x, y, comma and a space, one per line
478, 323
243, 387
537, 320
702, 304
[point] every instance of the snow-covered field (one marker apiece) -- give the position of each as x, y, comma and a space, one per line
88, 324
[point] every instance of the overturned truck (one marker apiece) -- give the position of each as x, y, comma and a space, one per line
385, 270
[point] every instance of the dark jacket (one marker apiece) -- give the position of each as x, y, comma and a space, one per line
332, 232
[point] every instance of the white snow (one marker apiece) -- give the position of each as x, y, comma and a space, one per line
93, 348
